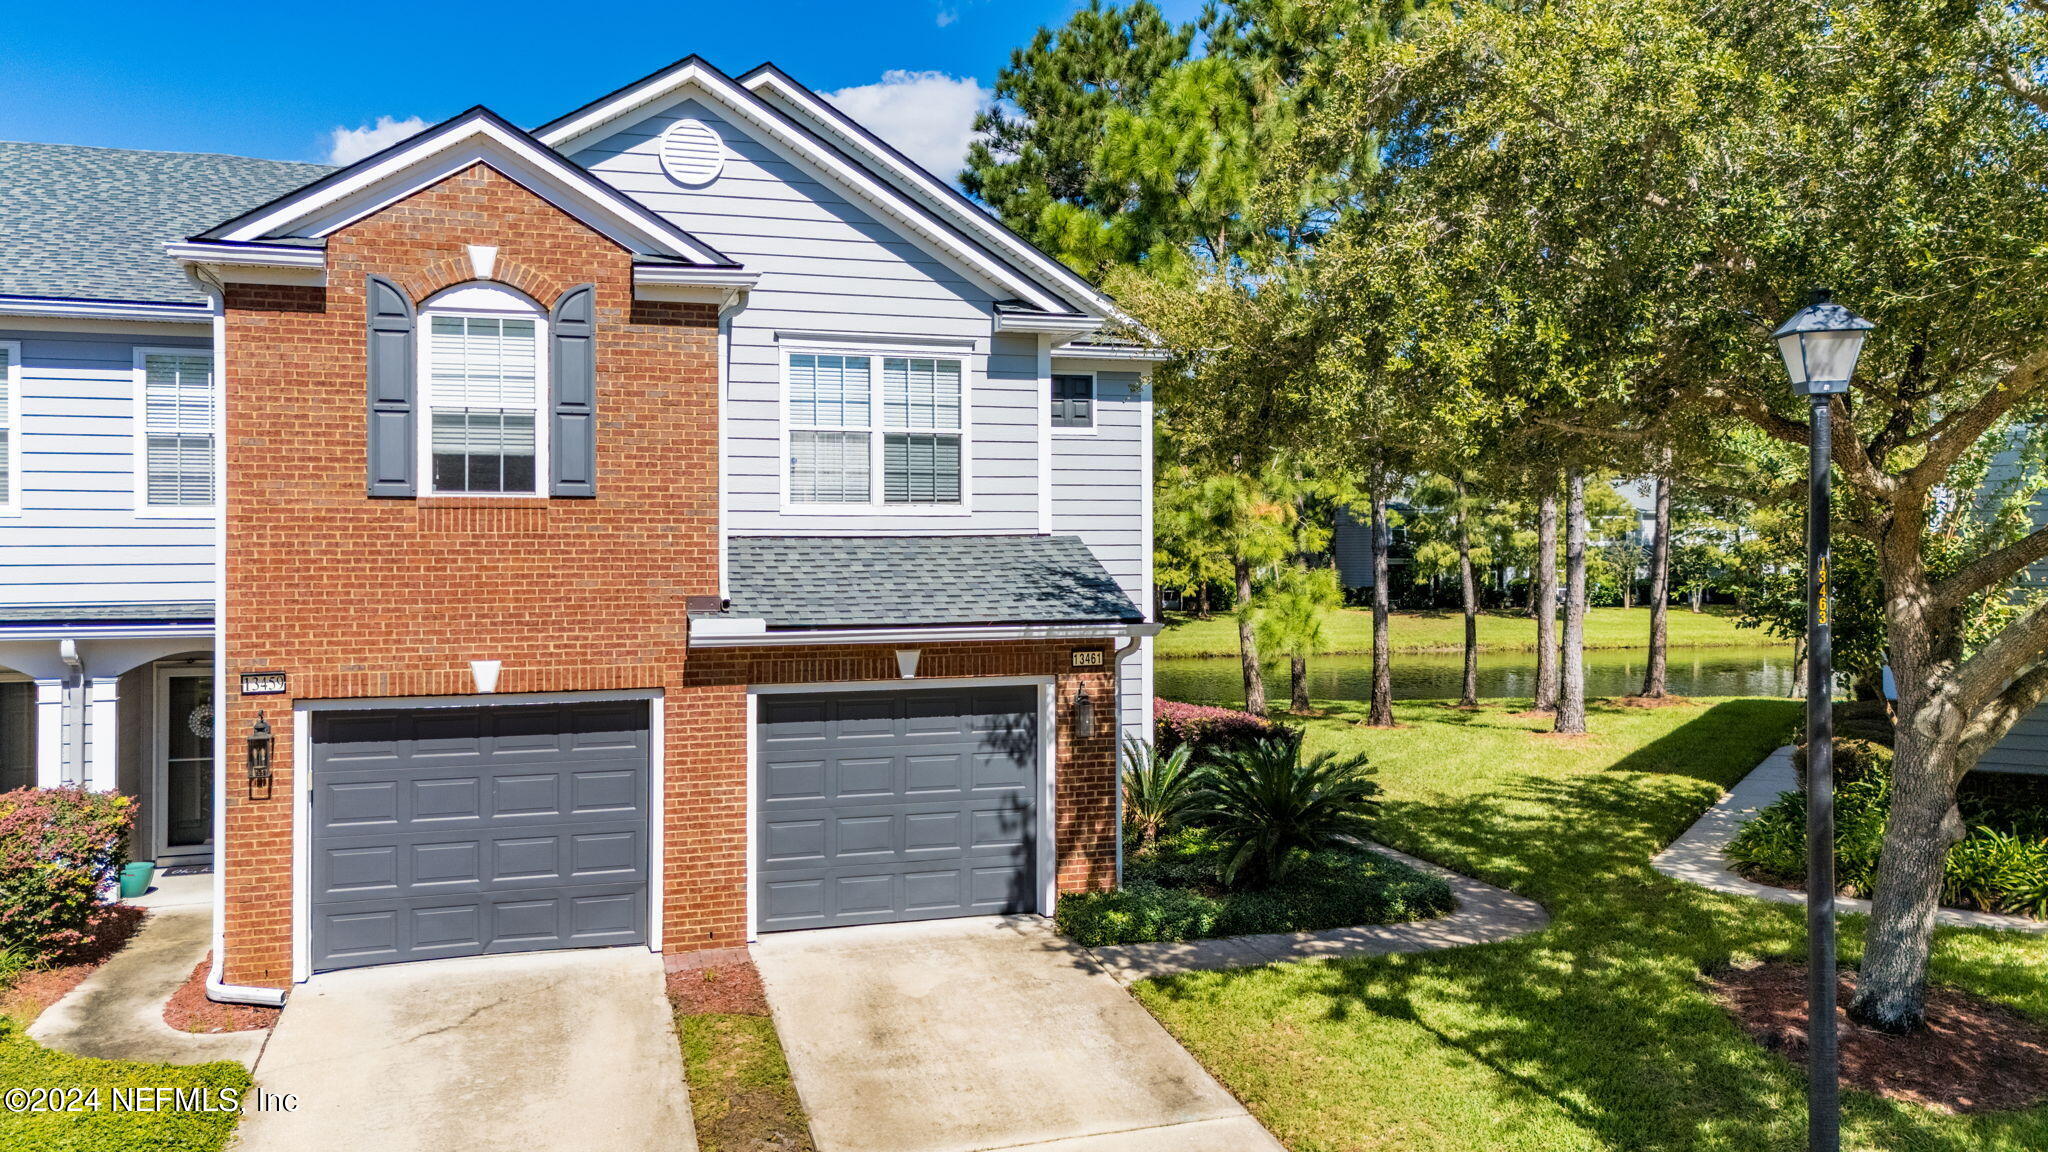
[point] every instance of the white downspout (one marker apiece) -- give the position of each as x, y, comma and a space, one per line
216, 989
67, 651
1116, 667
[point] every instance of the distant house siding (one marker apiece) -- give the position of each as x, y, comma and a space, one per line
1099, 494
1351, 545
828, 266
2024, 749
78, 539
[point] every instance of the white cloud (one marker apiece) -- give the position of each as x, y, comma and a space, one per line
947, 16
348, 145
928, 116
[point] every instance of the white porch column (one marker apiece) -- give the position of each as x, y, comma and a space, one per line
102, 768
49, 733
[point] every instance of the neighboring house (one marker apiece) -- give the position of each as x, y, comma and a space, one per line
686, 520
1351, 548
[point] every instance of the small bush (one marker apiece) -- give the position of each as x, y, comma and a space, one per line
60, 849
2000, 866
1271, 803
1854, 759
1160, 788
1210, 732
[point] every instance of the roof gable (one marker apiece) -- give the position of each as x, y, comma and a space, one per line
476, 136
851, 160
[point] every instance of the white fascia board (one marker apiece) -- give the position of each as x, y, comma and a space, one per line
1057, 323
103, 309
86, 631
725, 287
436, 155
935, 635
925, 187
252, 263
1112, 352
566, 134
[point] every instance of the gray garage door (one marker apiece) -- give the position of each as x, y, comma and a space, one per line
884, 806
464, 831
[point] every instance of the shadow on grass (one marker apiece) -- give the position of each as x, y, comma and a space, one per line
1602, 1017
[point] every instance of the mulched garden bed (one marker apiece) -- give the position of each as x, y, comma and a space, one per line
1634, 701
1976, 1056
733, 989
30, 992
188, 1009
740, 1091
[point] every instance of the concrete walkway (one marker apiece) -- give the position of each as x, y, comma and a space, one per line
1485, 915
1697, 856
981, 1034
548, 1052
118, 1012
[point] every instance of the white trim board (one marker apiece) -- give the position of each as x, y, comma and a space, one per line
158, 767
1047, 848
925, 635
10, 403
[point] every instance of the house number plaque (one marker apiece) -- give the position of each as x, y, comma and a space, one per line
263, 684
1091, 658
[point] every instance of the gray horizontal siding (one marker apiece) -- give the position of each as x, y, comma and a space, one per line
826, 265
2024, 749
1098, 487
78, 539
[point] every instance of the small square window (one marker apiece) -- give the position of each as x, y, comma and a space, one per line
1073, 401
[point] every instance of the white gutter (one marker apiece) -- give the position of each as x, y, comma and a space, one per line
116, 631
1116, 667
726, 632
67, 651
250, 255
217, 989
101, 309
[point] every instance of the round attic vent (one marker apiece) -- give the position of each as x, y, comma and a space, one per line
692, 153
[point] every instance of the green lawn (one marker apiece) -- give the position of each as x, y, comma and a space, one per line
111, 1126
1351, 631
1594, 1034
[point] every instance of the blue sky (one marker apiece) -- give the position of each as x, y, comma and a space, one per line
280, 79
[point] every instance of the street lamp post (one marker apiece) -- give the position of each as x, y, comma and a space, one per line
1820, 344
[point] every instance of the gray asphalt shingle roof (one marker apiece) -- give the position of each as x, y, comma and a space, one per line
879, 581
91, 223
163, 612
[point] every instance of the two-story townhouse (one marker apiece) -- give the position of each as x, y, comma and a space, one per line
686, 520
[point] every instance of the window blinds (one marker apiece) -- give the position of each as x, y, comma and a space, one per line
178, 428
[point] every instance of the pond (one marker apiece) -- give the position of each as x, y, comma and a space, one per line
1757, 671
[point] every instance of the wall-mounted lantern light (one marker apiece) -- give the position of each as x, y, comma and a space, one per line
1084, 715
260, 743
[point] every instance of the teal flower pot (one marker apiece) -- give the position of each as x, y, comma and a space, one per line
135, 878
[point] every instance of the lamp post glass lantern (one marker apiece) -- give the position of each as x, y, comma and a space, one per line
1820, 345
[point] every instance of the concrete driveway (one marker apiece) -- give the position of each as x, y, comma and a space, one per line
548, 1052
993, 1033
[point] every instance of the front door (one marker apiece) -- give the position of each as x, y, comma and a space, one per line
184, 751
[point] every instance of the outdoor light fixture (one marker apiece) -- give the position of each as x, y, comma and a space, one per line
260, 743
1084, 714
1820, 344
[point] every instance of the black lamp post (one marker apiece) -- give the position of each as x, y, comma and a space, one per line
1820, 344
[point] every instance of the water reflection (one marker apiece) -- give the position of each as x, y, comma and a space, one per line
1759, 671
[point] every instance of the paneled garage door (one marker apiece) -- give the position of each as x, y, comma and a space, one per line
884, 806
464, 831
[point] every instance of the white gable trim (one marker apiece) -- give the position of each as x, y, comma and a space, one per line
474, 137
928, 189
694, 77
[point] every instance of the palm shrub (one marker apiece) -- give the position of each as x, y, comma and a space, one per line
1160, 789
1269, 805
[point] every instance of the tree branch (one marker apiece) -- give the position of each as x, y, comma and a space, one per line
1981, 678
1997, 718
1947, 439
1991, 568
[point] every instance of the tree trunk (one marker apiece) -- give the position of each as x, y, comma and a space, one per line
1571, 688
1468, 588
1697, 591
1381, 714
1248, 644
1924, 824
1546, 603
1660, 591
1202, 601
1297, 677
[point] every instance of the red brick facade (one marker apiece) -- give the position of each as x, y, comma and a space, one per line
358, 597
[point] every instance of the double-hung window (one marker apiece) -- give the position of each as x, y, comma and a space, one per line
10, 428
175, 439
848, 411
484, 432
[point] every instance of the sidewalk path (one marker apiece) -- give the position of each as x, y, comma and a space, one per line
1485, 915
1697, 856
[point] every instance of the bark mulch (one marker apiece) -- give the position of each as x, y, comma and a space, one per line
729, 989
1975, 1056
1633, 701
23, 999
188, 1009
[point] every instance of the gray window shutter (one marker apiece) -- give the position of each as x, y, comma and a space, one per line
393, 455
572, 370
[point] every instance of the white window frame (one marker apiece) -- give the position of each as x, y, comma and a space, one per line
1094, 405
542, 388
10, 391
143, 508
876, 505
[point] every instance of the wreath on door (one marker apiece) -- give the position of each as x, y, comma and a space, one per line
201, 721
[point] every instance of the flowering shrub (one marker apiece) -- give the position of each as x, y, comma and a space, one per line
60, 848
1209, 730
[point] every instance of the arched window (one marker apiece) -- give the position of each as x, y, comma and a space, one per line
483, 371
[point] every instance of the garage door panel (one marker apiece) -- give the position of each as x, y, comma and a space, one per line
953, 834
470, 831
